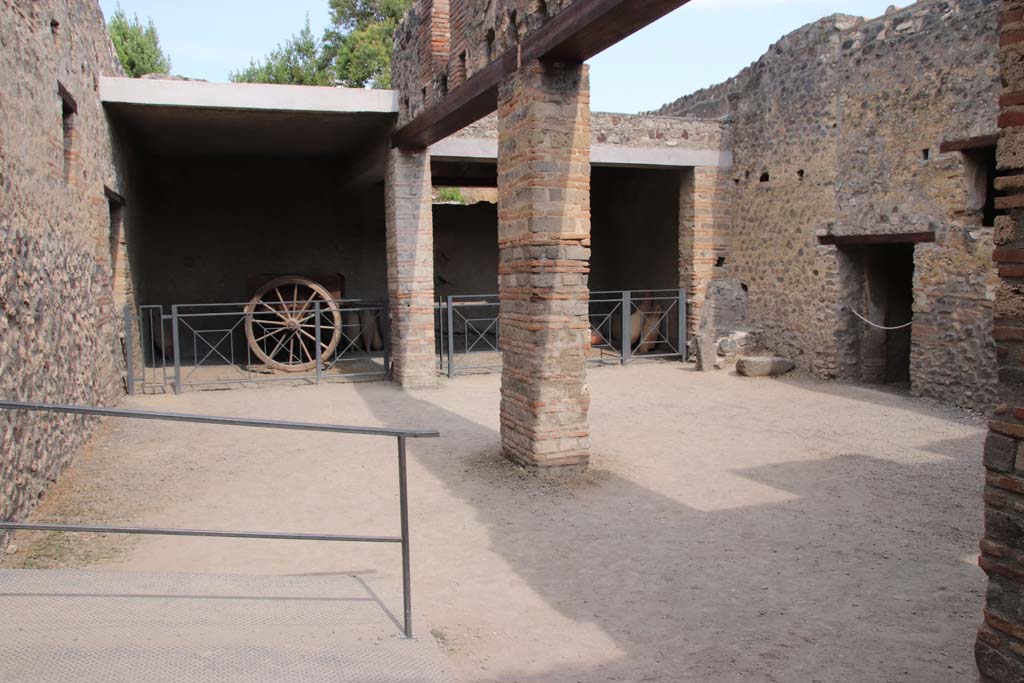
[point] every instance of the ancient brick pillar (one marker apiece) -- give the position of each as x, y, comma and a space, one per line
704, 224
410, 255
434, 42
544, 244
457, 64
999, 648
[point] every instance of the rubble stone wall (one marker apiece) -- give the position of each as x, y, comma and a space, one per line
836, 131
634, 130
60, 330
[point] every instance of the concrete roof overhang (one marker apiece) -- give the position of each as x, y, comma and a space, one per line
195, 118
354, 126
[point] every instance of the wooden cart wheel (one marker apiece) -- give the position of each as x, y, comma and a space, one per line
280, 324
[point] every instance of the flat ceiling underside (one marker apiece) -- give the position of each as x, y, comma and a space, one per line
193, 131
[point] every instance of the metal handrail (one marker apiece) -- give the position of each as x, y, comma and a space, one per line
403, 486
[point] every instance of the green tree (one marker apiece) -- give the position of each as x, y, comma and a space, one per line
137, 45
361, 38
299, 61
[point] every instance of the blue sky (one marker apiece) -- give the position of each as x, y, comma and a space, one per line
699, 44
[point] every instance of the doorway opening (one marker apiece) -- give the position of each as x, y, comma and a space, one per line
879, 293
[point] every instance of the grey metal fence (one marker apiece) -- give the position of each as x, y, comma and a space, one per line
206, 345
468, 326
653, 322
401, 436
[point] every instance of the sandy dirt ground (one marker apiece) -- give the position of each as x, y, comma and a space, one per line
728, 529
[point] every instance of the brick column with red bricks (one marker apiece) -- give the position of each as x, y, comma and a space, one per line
999, 649
434, 42
410, 256
704, 225
544, 246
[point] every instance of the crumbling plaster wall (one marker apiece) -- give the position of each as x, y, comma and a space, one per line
60, 331
828, 132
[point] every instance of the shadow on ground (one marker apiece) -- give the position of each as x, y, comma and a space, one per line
856, 567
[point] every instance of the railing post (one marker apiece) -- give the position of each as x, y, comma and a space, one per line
403, 502
682, 327
316, 346
129, 351
451, 337
177, 348
440, 338
386, 325
627, 333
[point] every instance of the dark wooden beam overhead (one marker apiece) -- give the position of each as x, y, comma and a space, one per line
464, 174
864, 240
978, 142
584, 29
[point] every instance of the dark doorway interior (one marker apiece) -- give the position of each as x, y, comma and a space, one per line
981, 173
881, 281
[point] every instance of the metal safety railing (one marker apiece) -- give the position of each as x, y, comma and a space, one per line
206, 345
401, 435
625, 325
468, 327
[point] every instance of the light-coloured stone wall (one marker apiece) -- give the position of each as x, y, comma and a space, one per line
634, 131
60, 331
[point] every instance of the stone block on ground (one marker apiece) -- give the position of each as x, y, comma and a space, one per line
763, 366
707, 353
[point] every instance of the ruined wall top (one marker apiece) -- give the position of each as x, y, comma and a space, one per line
634, 130
442, 43
836, 40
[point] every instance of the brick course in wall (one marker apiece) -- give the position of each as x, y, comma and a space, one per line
999, 648
544, 255
60, 330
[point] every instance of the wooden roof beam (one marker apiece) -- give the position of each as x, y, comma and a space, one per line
584, 29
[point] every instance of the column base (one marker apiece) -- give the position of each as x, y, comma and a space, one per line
554, 466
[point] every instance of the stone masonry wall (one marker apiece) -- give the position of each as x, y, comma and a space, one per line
829, 130
999, 649
59, 328
634, 130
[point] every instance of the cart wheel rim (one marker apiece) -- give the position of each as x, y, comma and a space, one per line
280, 324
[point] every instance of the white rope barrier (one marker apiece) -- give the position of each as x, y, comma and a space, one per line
881, 327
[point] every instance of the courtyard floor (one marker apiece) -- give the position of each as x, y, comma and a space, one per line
728, 529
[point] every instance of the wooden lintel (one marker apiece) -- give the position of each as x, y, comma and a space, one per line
576, 34
976, 142
470, 102
864, 240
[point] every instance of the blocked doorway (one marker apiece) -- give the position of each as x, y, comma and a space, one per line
878, 297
